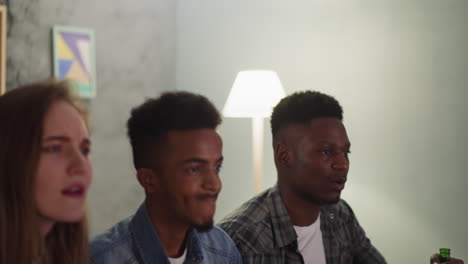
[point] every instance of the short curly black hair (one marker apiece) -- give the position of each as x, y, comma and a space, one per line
150, 122
302, 107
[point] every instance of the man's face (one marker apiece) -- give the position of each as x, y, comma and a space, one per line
319, 160
190, 182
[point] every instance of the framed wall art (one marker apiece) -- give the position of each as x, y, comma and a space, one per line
74, 58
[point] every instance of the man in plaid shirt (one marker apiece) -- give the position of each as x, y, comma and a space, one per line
302, 219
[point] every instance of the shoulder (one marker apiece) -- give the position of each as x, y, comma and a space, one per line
215, 238
250, 226
247, 216
114, 242
219, 246
342, 227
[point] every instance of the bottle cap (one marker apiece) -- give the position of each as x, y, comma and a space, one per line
445, 250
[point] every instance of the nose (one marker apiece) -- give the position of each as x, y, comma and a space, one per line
212, 182
341, 162
79, 165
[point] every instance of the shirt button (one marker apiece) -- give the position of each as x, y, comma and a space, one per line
332, 216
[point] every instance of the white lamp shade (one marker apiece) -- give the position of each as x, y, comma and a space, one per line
254, 94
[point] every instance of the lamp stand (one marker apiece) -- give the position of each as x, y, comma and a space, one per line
257, 144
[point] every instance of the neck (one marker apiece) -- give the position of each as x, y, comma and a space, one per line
302, 212
172, 233
45, 225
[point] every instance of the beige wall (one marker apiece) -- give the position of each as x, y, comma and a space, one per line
399, 68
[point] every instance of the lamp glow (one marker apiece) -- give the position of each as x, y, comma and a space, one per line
253, 95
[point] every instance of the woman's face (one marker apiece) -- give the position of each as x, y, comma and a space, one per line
64, 170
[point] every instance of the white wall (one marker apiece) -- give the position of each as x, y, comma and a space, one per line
398, 67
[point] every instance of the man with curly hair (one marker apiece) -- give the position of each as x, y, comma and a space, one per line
177, 154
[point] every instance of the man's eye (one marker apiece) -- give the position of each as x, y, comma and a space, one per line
325, 151
194, 169
218, 167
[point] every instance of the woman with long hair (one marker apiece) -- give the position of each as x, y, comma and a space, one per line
45, 173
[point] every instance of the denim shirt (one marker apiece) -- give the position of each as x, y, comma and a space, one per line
134, 240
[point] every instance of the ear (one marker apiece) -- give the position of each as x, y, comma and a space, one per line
147, 179
282, 154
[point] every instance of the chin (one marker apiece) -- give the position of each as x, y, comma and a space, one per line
203, 226
331, 201
323, 199
71, 217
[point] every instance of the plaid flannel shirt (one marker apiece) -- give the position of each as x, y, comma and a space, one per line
263, 233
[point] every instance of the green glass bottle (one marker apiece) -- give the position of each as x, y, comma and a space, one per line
444, 254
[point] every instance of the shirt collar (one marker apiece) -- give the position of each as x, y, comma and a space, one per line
145, 237
282, 224
147, 240
194, 253
285, 235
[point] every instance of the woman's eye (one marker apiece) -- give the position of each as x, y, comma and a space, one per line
52, 149
86, 151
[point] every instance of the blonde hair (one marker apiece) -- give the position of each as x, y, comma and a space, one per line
22, 114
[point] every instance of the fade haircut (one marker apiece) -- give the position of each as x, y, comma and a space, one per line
150, 122
302, 107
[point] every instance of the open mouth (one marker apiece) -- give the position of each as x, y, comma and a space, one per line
76, 190
339, 184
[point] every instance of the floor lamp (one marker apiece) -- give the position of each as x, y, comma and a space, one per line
253, 95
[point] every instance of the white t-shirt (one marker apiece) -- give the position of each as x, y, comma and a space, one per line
310, 243
179, 260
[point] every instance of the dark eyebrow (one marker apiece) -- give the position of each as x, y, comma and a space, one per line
198, 160
348, 145
57, 138
65, 139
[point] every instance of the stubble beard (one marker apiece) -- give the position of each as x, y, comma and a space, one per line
311, 197
204, 227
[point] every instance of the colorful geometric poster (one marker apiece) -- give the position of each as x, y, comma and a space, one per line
74, 58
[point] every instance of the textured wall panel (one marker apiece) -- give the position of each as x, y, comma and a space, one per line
135, 50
